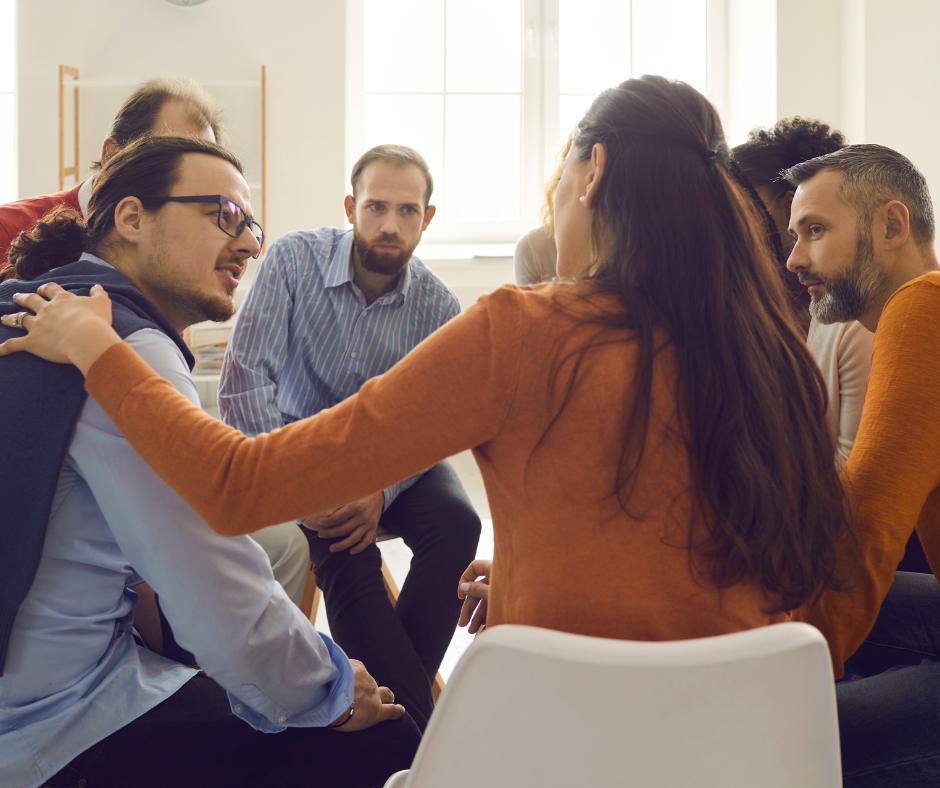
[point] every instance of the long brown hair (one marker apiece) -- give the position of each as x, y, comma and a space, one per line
679, 242
146, 169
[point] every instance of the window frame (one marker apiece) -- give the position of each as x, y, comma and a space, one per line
540, 114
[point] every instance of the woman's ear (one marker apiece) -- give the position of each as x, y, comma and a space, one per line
595, 173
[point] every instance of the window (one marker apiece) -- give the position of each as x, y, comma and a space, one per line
488, 90
8, 186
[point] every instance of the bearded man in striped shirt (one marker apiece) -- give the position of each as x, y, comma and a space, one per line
327, 310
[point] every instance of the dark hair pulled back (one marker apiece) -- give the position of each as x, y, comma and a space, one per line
679, 242
146, 169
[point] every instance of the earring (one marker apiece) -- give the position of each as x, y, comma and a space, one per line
581, 199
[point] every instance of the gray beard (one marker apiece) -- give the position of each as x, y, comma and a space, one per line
849, 292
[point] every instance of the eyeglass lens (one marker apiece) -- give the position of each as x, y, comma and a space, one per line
233, 220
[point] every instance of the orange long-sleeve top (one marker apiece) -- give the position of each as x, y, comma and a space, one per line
893, 471
567, 556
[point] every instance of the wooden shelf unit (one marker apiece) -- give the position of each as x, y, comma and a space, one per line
69, 80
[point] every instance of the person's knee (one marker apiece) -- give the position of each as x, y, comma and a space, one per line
342, 561
458, 529
288, 553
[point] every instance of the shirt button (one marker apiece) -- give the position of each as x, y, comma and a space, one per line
363, 313
239, 708
282, 719
340, 389
353, 354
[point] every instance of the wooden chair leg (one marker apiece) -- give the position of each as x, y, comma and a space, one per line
310, 603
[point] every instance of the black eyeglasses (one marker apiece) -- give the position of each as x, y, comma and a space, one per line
232, 217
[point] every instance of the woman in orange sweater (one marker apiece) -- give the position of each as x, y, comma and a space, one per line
650, 428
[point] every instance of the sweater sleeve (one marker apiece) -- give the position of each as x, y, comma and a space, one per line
451, 393
894, 466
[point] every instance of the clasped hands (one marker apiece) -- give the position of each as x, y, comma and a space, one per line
357, 521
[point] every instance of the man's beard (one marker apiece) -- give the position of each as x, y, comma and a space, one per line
849, 291
381, 262
186, 300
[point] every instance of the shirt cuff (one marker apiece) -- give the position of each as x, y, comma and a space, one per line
264, 715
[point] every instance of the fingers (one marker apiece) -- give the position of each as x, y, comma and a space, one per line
479, 618
466, 611
362, 532
50, 290
16, 320
32, 301
334, 517
481, 567
386, 695
473, 613
478, 590
343, 529
12, 345
367, 539
313, 521
390, 711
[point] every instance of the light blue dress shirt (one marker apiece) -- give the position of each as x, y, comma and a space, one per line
305, 339
74, 673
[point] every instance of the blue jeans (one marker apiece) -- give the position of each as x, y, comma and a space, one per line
889, 721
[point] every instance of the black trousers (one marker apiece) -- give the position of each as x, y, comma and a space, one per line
192, 740
402, 647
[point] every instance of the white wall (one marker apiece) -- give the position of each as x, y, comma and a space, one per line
751, 69
902, 81
867, 67
301, 43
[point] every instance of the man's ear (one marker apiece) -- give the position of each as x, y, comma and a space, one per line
350, 204
428, 215
787, 202
595, 173
128, 219
897, 221
108, 148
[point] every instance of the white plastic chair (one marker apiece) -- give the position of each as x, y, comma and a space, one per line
534, 707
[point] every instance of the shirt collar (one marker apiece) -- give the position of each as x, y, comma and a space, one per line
340, 270
84, 193
89, 257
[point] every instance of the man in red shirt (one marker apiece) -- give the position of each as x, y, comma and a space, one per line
159, 106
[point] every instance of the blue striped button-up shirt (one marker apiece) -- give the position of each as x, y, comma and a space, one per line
305, 338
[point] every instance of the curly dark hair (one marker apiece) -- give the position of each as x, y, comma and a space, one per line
792, 140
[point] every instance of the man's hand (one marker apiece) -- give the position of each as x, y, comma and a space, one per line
356, 521
373, 703
474, 590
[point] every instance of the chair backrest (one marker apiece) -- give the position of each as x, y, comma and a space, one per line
533, 707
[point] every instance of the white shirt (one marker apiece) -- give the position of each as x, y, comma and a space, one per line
843, 352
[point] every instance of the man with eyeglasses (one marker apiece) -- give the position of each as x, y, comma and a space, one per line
160, 106
327, 310
169, 233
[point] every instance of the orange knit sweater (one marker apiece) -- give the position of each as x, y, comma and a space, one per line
567, 556
894, 468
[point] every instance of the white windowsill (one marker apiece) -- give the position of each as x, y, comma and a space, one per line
464, 251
